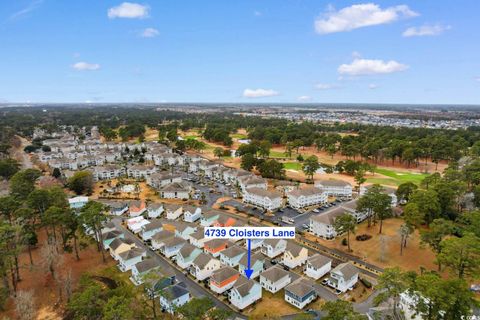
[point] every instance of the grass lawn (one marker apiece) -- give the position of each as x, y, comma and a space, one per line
293, 166
190, 137
278, 154
396, 178
272, 306
238, 136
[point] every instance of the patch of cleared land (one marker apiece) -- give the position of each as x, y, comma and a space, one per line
384, 250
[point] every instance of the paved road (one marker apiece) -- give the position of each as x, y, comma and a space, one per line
194, 287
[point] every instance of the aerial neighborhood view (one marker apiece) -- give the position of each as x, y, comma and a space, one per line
239, 160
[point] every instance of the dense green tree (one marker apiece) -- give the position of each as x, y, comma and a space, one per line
92, 217
341, 310
345, 223
391, 283
405, 190
23, 182
81, 182
310, 166
8, 167
437, 231
427, 203
248, 162
271, 169
461, 255
196, 308
377, 204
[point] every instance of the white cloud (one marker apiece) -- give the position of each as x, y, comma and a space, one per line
129, 10
304, 98
149, 33
425, 30
360, 67
85, 66
359, 16
259, 93
257, 13
26, 11
372, 86
477, 79
325, 86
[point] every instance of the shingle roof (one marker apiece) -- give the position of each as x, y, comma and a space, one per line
154, 224
201, 260
223, 274
333, 183
243, 286
233, 251
146, 265
163, 235
309, 191
347, 269
318, 261
174, 292
300, 287
253, 259
132, 253
294, 248
187, 249
328, 217
264, 193
274, 273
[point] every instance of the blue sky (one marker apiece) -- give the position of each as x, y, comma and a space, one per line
240, 51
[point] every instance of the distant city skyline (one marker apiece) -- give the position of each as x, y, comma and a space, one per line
302, 51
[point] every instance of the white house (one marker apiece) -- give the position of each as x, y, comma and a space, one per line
275, 278
137, 224
306, 197
335, 188
343, 277
173, 297
149, 230
198, 238
252, 181
155, 210
173, 211
140, 171
159, 238
270, 200
294, 255
191, 213
203, 266
186, 255
321, 224
244, 293
128, 259
175, 190
108, 172
232, 255
172, 246
161, 179
141, 269
273, 247
317, 266
300, 293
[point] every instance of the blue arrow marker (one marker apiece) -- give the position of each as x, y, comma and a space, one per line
248, 271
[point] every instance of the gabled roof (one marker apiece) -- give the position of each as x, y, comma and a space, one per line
147, 265
274, 273
308, 191
155, 205
202, 260
154, 224
318, 261
333, 183
111, 235
215, 243
174, 292
328, 217
294, 248
243, 286
172, 242
223, 274
118, 242
233, 251
174, 186
253, 259
346, 269
187, 249
163, 235
272, 242
300, 287
264, 193
199, 234
132, 253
